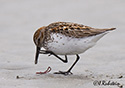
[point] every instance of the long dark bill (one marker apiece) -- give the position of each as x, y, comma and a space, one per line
37, 54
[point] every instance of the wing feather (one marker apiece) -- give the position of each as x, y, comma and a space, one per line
74, 29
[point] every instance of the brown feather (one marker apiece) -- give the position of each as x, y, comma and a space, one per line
74, 29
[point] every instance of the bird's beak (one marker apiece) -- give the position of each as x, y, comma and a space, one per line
37, 54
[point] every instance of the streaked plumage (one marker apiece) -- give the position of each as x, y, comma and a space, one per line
66, 38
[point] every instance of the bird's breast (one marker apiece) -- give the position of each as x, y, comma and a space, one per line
65, 45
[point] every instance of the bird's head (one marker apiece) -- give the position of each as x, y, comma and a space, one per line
38, 39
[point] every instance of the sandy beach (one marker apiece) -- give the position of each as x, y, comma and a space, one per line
19, 19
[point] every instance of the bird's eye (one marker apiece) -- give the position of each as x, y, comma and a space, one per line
39, 40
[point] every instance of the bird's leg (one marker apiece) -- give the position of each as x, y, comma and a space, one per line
65, 61
69, 71
51, 53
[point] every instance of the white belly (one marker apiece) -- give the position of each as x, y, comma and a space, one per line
63, 45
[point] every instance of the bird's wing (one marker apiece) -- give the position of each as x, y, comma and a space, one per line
74, 30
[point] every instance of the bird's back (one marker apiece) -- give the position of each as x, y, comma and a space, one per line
74, 29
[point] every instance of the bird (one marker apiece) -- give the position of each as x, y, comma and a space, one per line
66, 38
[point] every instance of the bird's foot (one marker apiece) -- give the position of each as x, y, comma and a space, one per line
63, 73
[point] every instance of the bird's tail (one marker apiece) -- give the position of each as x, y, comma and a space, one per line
109, 29
102, 30
100, 33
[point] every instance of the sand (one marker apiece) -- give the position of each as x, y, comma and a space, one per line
19, 19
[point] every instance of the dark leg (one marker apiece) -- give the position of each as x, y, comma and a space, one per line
65, 61
69, 71
51, 53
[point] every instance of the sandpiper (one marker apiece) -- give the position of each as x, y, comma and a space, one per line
66, 38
